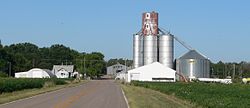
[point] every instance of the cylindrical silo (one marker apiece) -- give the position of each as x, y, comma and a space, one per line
150, 49
137, 50
166, 50
193, 65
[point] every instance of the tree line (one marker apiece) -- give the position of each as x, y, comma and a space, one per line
25, 56
230, 69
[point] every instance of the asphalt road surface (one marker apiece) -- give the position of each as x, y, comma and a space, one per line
94, 94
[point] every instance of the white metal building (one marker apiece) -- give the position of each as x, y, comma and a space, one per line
62, 74
35, 73
155, 72
21, 75
117, 68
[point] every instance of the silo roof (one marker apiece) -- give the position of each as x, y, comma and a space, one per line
193, 54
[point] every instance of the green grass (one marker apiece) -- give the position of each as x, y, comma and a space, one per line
12, 96
139, 97
210, 95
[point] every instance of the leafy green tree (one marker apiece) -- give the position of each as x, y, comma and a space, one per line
21, 64
121, 61
95, 64
3, 74
79, 61
5, 59
60, 54
24, 56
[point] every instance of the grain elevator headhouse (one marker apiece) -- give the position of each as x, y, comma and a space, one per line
151, 44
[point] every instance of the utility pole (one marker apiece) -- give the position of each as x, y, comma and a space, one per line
9, 69
33, 63
212, 69
241, 70
84, 67
81, 65
125, 65
234, 70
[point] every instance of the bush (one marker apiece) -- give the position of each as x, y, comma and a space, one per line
3, 75
59, 81
11, 84
16, 84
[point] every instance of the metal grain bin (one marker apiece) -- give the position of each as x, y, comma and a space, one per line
150, 49
137, 50
166, 50
193, 65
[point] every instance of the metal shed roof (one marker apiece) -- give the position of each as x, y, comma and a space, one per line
193, 54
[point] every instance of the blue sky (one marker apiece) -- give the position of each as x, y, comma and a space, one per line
219, 29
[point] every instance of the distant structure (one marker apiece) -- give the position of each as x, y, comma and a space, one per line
59, 71
151, 44
193, 65
35, 73
155, 72
115, 69
63, 71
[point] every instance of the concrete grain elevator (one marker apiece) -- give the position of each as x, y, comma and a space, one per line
151, 44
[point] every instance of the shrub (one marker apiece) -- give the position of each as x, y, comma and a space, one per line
3, 75
16, 84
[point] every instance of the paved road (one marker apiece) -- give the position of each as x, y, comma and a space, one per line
94, 94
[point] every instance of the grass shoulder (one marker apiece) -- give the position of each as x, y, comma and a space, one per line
16, 95
139, 97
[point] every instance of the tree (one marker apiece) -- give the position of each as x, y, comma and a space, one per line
95, 64
121, 61
24, 56
5, 59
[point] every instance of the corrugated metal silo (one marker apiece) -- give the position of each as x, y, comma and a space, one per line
150, 49
193, 65
137, 50
166, 50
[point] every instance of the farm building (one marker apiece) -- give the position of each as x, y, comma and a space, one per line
63, 71
117, 68
155, 72
35, 73
121, 76
62, 74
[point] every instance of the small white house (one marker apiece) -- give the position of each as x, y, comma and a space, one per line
62, 74
35, 73
155, 72
63, 71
